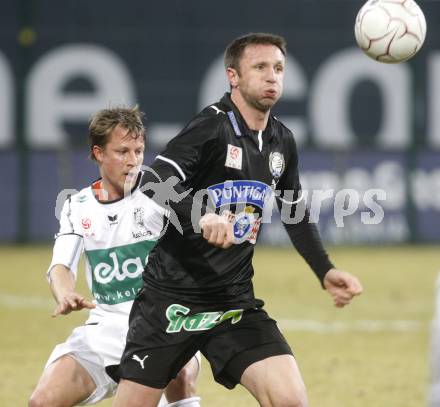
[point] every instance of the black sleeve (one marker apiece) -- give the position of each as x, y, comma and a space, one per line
303, 234
305, 237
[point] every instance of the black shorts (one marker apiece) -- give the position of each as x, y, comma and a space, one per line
165, 334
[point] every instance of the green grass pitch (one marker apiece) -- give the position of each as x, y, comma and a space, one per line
373, 353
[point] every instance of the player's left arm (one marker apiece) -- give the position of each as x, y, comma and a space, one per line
295, 216
304, 235
342, 286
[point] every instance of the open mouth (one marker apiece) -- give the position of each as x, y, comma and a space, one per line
130, 177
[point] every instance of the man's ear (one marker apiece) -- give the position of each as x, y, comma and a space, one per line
97, 152
232, 75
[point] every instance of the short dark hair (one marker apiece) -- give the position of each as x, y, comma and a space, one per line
235, 49
104, 122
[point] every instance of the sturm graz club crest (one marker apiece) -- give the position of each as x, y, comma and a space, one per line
276, 166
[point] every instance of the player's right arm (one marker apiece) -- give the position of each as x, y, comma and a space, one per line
62, 271
217, 229
62, 285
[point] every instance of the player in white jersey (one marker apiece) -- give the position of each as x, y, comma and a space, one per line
115, 225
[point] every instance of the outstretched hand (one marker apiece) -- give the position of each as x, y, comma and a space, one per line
342, 286
71, 302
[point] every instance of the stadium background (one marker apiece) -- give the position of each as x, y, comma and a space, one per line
358, 124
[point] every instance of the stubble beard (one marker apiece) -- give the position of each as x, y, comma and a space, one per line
260, 104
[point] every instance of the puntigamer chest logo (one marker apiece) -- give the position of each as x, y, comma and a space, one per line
243, 191
249, 198
116, 272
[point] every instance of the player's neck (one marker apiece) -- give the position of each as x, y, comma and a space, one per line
255, 119
104, 191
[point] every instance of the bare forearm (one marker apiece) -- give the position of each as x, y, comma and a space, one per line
63, 289
61, 282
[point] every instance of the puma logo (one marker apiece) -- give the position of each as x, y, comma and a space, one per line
217, 109
141, 361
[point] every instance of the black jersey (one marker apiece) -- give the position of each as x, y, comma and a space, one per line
226, 165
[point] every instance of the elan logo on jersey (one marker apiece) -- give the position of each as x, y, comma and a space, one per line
243, 191
130, 268
116, 272
179, 319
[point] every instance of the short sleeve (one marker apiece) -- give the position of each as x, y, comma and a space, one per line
68, 245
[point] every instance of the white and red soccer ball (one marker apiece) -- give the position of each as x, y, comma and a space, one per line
390, 31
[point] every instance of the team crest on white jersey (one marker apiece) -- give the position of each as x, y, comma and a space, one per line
234, 157
276, 164
139, 224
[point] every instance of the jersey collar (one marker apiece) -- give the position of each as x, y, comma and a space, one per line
239, 124
97, 190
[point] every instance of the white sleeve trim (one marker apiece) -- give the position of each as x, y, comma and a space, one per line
292, 202
67, 251
174, 164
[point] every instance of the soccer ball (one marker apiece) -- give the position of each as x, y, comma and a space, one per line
390, 31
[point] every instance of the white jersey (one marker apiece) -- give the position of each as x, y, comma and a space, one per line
116, 238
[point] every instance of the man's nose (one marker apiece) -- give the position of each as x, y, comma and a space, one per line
271, 75
132, 158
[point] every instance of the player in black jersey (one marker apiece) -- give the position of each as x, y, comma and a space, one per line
224, 171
